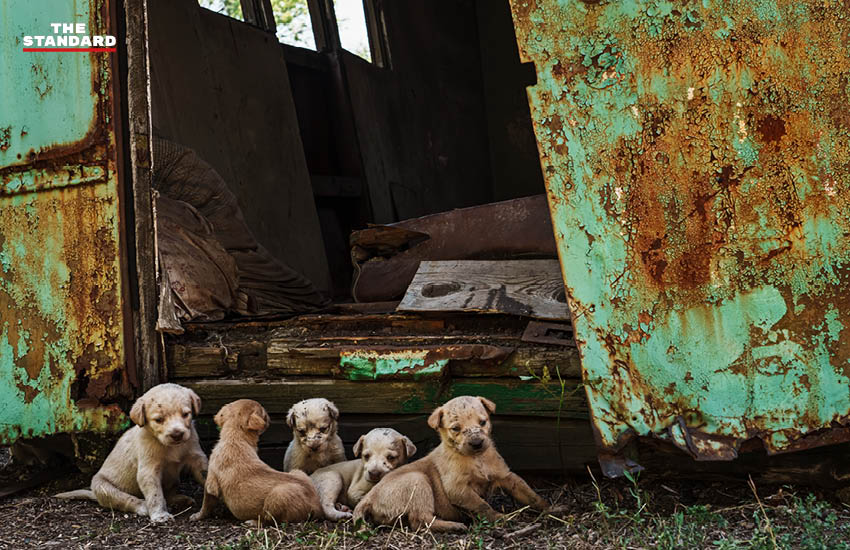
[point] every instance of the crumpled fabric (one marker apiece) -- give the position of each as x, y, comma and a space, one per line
210, 264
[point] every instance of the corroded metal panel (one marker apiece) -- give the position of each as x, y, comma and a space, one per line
697, 162
62, 356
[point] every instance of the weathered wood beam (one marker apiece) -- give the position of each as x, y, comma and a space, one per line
287, 357
512, 396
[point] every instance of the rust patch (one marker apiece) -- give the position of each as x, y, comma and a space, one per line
5, 137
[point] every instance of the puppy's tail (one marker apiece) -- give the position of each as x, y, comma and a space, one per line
79, 494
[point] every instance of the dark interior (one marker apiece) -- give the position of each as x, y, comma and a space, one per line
317, 143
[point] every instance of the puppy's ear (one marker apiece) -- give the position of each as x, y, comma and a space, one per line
436, 418
489, 405
290, 418
196, 402
409, 447
256, 422
137, 413
358, 446
332, 410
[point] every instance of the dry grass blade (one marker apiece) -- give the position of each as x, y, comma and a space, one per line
524, 531
763, 513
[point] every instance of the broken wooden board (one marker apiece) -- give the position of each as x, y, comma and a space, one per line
513, 229
316, 345
530, 288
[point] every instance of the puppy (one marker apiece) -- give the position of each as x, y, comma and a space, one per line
382, 450
141, 473
315, 443
438, 490
250, 488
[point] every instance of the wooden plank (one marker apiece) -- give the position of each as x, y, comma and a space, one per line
518, 228
146, 345
288, 357
532, 288
512, 396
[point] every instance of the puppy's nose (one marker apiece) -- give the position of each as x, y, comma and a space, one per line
176, 435
375, 475
476, 444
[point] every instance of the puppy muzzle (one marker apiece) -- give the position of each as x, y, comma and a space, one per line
477, 442
314, 444
374, 476
177, 436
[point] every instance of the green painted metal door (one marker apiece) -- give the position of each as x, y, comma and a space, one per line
697, 161
62, 348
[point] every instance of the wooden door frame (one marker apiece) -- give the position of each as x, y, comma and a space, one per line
142, 265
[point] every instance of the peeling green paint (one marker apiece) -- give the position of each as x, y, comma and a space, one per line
700, 196
61, 321
372, 365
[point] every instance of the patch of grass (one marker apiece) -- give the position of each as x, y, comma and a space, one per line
799, 524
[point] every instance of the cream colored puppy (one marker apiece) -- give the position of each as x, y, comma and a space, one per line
141, 473
437, 491
251, 489
315, 443
381, 450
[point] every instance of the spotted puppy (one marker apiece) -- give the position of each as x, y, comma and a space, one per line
315, 443
141, 473
441, 489
342, 485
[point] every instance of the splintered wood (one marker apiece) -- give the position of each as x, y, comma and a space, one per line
531, 288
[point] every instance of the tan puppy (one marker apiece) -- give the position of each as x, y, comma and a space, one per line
141, 473
382, 450
315, 443
437, 491
250, 488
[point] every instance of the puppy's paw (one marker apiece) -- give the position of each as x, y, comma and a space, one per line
161, 517
197, 516
336, 515
342, 507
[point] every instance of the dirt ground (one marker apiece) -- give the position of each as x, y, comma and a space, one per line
624, 514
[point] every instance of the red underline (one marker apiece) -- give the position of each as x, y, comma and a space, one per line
69, 49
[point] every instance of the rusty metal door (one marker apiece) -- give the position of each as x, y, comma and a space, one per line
697, 161
63, 356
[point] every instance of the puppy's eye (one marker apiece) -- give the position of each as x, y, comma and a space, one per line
392, 457
455, 429
302, 431
483, 422
158, 420
323, 429
186, 415
367, 456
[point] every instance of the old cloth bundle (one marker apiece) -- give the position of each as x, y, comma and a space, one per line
210, 264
